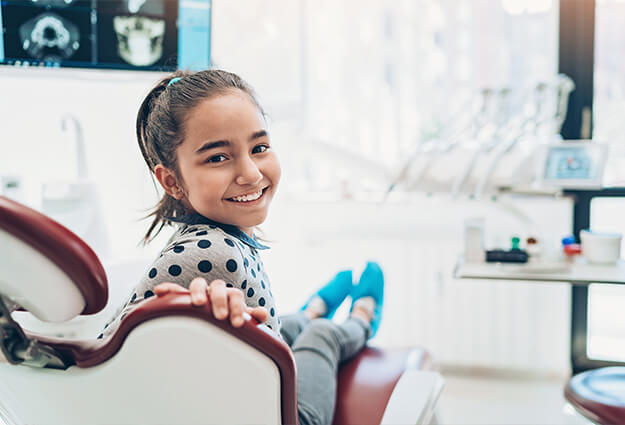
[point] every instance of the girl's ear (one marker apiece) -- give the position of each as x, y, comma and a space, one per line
168, 181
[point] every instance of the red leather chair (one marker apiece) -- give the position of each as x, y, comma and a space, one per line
168, 362
599, 395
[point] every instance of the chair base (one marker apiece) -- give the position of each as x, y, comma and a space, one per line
599, 395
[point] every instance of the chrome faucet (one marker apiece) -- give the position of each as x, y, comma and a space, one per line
81, 157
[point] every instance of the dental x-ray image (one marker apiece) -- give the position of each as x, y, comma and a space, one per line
131, 7
108, 34
139, 39
47, 33
137, 32
53, 3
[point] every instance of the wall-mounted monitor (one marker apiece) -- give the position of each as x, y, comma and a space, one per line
158, 35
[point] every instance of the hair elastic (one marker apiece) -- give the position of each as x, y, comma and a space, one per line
173, 80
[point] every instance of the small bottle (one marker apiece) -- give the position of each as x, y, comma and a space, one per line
532, 247
474, 240
570, 247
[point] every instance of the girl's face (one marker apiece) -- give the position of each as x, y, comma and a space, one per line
228, 167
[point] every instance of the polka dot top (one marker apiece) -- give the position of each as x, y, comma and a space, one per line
209, 251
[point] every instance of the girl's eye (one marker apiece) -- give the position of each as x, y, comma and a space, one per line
260, 149
217, 158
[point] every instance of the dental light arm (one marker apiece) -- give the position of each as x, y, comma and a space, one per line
563, 86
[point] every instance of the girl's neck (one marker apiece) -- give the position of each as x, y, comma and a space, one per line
249, 231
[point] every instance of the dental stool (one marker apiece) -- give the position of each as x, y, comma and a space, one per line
168, 362
599, 395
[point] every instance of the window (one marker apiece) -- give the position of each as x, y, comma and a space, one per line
609, 86
606, 315
372, 78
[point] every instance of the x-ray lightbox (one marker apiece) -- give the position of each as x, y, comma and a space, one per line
159, 35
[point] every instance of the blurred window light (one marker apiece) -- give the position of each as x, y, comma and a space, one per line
606, 337
605, 332
609, 86
518, 7
389, 69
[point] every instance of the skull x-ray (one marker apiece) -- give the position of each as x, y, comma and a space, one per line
141, 33
139, 39
49, 37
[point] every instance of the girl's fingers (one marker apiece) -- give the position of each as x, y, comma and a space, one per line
258, 313
237, 307
198, 289
219, 298
167, 287
225, 302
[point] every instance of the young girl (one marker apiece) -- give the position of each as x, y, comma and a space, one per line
203, 136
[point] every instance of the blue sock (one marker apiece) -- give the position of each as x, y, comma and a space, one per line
371, 284
334, 292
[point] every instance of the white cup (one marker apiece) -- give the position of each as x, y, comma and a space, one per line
601, 248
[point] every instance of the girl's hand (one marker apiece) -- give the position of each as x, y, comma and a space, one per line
224, 301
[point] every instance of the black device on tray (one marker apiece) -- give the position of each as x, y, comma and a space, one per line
501, 256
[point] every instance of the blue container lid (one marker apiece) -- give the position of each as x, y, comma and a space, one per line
568, 240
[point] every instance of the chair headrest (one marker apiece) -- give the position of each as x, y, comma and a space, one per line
52, 247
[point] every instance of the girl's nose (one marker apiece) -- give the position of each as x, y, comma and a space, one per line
248, 173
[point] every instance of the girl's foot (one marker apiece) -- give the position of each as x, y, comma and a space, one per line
363, 309
368, 296
327, 299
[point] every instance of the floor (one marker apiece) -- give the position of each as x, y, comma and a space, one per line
501, 400
498, 400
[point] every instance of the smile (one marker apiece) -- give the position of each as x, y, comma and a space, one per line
250, 197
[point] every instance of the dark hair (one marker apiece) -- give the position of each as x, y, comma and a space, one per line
160, 127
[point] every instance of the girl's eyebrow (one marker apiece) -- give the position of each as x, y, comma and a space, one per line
258, 134
221, 143
212, 145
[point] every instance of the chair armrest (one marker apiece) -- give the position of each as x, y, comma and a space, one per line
414, 398
368, 380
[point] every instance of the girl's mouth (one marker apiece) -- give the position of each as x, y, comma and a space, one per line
249, 198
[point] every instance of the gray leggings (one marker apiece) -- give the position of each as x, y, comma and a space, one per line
318, 347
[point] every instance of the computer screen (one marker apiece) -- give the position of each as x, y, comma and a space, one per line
572, 164
159, 35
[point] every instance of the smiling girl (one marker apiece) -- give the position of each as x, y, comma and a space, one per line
204, 137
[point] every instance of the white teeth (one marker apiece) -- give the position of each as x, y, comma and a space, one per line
249, 197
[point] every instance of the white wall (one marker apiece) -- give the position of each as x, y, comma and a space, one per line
33, 146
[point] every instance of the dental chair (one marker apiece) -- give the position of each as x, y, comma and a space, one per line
168, 362
599, 395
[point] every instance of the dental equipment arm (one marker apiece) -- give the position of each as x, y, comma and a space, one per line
448, 141
563, 87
